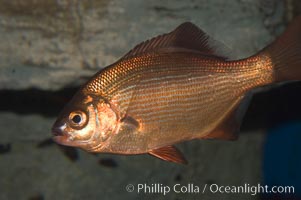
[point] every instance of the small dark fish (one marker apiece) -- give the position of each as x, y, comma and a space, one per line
178, 178
5, 148
108, 162
175, 87
36, 197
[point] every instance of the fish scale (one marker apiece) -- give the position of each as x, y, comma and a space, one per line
154, 97
171, 119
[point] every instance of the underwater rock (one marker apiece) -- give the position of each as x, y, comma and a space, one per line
54, 44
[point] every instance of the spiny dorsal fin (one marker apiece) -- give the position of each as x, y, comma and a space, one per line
186, 37
169, 153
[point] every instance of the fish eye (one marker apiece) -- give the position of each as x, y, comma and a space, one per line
77, 118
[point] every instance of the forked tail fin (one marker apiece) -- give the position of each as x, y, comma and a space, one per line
285, 53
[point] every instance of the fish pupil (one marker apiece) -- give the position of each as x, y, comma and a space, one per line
76, 119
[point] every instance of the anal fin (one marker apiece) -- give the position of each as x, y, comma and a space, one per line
229, 128
169, 153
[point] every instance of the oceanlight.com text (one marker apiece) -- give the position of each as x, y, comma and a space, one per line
190, 188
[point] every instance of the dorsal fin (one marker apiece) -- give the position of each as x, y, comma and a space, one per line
186, 37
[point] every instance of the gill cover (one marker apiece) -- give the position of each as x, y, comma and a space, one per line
103, 123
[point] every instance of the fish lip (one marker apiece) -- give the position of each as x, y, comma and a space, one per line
65, 140
61, 140
57, 131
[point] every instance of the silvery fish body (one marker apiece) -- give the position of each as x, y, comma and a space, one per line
175, 87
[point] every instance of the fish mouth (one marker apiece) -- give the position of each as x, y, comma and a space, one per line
59, 136
57, 131
63, 138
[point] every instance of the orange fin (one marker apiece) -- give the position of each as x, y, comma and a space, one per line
130, 121
285, 53
169, 153
228, 129
186, 37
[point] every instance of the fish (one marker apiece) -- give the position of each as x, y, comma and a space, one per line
5, 148
175, 87
108, 162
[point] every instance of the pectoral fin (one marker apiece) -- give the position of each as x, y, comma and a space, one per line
130, 121
169, 153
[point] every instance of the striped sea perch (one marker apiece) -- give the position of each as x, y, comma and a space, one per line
172, 88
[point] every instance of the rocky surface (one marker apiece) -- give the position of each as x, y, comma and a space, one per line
52, 45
